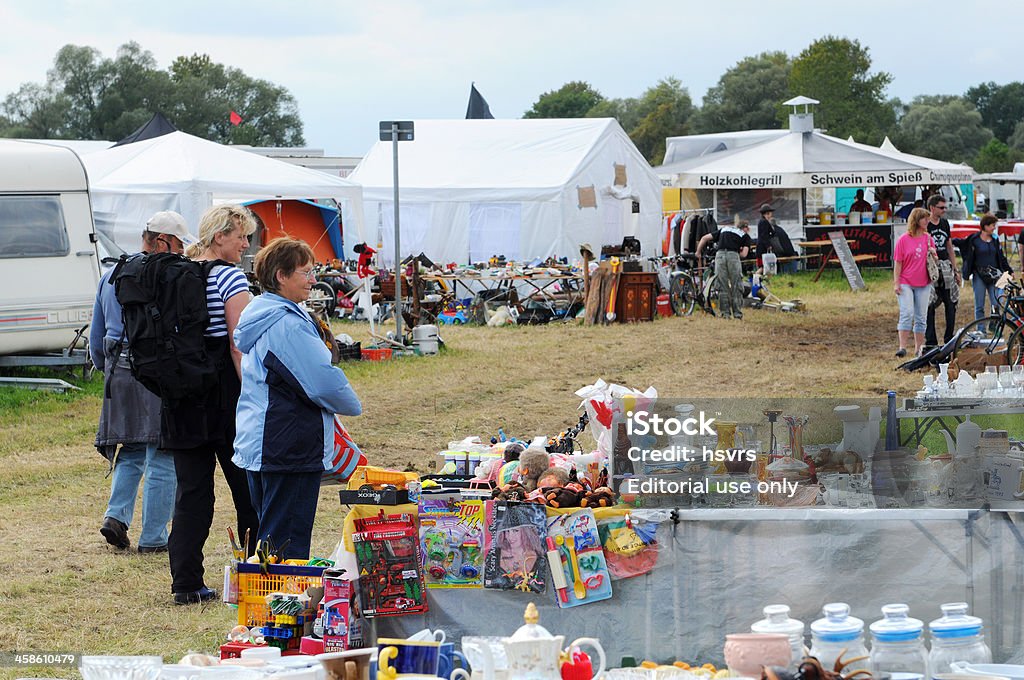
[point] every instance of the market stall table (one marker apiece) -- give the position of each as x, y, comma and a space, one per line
826, 250
717, 568
946, 416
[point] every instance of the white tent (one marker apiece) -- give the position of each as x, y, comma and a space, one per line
181, 172
470, 189
803, 160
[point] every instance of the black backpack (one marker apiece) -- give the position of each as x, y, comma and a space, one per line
163, 300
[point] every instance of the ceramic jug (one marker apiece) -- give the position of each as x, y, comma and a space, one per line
968, 436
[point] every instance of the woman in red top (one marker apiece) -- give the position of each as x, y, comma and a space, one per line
910, 279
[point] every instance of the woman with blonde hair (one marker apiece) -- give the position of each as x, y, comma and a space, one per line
910, 279
201, 432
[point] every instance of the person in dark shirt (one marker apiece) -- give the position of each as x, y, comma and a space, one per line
733, 245
946, 295
860, 205
765, 231
984, 262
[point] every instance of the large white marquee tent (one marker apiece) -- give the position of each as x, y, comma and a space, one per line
471, 189
181, 172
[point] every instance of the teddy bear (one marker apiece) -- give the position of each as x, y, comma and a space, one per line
568, 496
532, 464
601, 497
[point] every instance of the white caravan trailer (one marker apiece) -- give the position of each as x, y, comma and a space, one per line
49, 266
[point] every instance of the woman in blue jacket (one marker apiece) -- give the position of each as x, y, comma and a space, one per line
290, 393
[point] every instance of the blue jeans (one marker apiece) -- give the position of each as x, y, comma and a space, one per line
286, 505
913, 307
134, 461
980, 289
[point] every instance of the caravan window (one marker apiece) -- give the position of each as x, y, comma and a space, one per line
32, 226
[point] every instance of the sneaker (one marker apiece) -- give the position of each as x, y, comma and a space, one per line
204, 594
901, 352
153, 548
116, 533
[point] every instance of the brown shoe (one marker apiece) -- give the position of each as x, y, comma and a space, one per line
116, 533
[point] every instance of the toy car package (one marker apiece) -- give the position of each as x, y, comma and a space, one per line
388, 556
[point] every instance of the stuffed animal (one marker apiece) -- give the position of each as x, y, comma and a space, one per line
568, 496
532, 464
514, 491
601, 497
552, 477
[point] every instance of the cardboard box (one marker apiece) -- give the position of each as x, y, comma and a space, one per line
374, 497
338, 611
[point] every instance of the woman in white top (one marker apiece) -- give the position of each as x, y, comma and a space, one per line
202, 432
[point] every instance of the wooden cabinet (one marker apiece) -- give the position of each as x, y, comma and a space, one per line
636, 297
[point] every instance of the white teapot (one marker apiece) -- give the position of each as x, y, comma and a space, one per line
535, 654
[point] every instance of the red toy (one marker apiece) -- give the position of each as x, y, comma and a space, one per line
366, 254
390, 575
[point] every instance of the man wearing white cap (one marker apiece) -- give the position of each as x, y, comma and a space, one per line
130, 416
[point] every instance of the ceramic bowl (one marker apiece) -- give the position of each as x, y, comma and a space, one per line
746, 653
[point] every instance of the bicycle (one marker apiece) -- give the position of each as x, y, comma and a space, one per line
691, 284
1001, 333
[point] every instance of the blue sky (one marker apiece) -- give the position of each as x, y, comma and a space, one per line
351, 64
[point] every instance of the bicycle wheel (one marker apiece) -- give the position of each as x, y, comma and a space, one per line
1015, 347
988, 334
682, 294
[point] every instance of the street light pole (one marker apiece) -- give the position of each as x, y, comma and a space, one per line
397, 131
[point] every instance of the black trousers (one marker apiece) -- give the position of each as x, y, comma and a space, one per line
193, 511
943, 298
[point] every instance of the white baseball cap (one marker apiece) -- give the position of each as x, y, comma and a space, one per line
170, 223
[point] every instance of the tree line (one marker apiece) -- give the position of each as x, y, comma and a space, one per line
983, 127
89, 96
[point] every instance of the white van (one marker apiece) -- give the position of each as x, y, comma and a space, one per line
49, 266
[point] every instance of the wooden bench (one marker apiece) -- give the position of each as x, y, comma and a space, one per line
856, 258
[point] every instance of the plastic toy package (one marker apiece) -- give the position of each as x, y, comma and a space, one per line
452, 541
516, 557
630, 546
390, 576
580, 575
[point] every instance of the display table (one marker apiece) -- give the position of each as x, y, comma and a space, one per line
947, 417
718, 567
826, 251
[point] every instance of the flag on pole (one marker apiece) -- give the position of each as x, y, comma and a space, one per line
478, 107
235, 118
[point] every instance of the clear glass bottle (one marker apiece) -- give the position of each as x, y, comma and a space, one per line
897, 645
776, 620
836, 632
956, 638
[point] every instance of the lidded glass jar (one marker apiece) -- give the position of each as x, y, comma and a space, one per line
777, 620
837, 633
956, 638
897, 645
